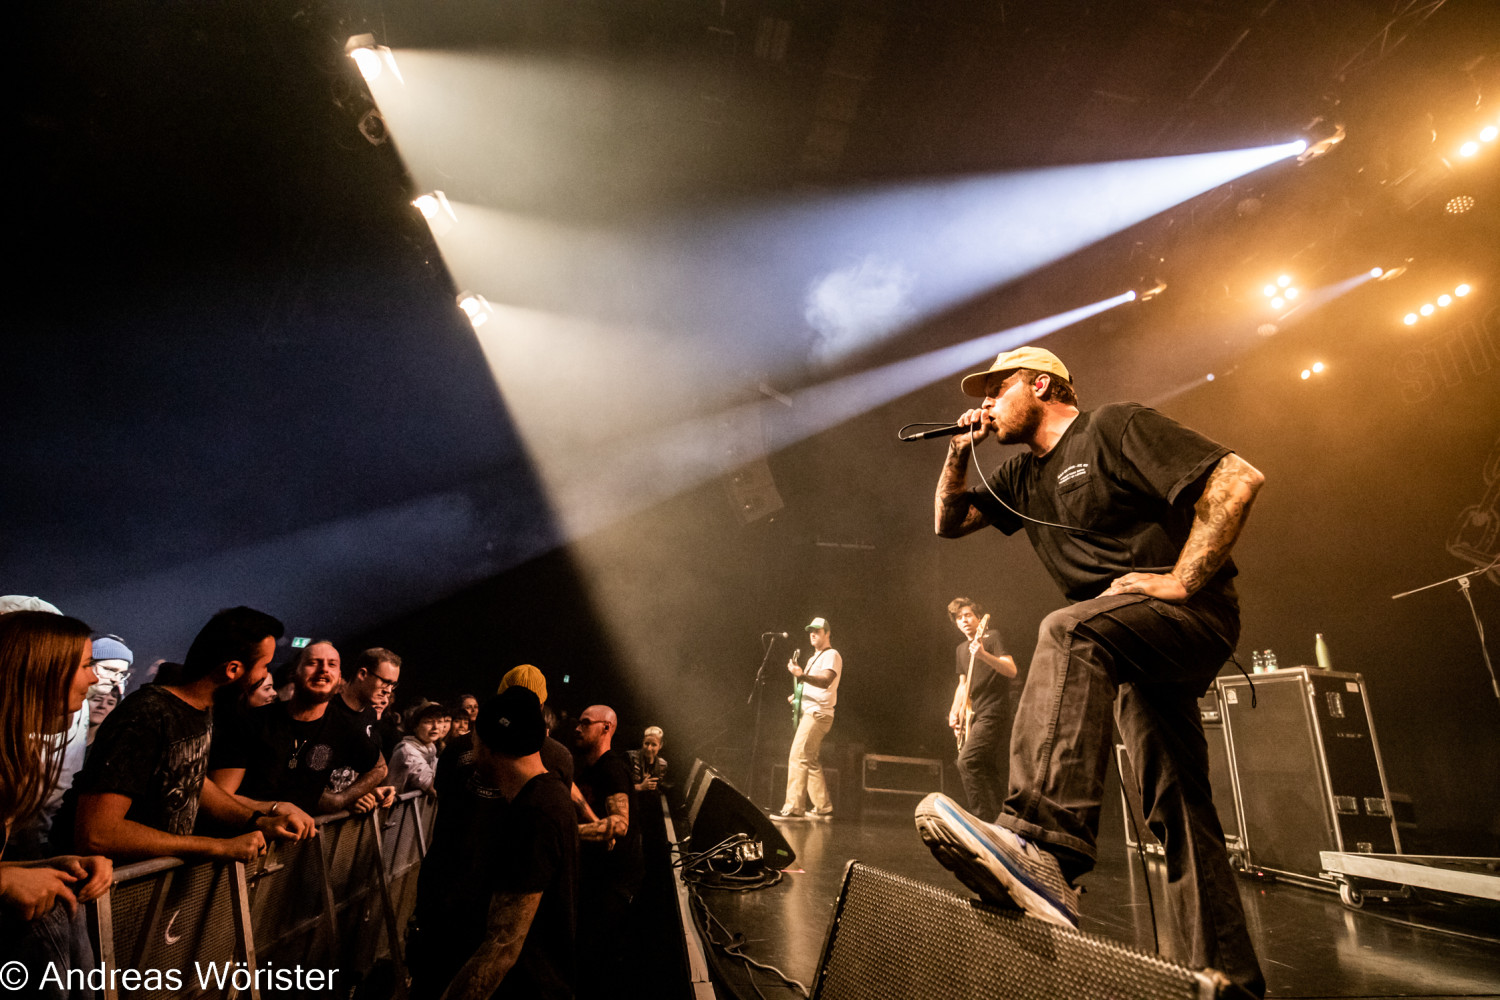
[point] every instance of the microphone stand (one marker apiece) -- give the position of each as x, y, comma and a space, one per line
757, 697
1463, 585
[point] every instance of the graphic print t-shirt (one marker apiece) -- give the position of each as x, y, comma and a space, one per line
154, 749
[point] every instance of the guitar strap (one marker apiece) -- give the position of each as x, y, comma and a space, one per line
797, 689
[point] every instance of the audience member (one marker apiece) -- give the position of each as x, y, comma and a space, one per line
45, 673
647, 766
470, 705
610, 856
387, 723
31, 838
414, 764
514, 923
139, 794
263, 695
374, 671
291, 749
102, 701
460, 724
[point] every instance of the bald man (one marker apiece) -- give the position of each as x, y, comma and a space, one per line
610, 849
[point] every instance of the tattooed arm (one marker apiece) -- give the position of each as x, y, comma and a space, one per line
614, 824
954, 512
1218, 517
509, 921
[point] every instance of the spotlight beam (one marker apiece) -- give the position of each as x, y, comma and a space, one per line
595, 484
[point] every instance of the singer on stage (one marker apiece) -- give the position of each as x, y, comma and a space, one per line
1134, 516
982, 708
815, 692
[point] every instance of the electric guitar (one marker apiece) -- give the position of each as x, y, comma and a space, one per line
966, 719
796, 698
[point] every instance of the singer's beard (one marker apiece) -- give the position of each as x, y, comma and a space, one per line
1019, 425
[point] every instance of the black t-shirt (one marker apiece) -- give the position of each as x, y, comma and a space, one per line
1123, 470
363, 719
986, 685
291, 760
620, 867
541, 855
483, 844
154, 749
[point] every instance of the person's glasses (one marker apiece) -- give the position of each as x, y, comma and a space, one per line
384, 684
109, 673
590, 722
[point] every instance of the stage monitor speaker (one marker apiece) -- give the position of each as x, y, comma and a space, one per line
717, 810
892, 938
1309, 771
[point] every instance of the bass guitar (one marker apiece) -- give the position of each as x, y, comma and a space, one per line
966, 716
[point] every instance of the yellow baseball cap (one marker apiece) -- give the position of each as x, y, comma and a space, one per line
1036, 358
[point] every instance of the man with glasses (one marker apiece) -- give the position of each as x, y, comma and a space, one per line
1133, 516
610, 853
373, 671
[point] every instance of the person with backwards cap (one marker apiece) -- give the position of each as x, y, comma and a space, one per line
1133, 516
524, 945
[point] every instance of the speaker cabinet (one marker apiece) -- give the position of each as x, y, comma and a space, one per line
716, 810
892, 938
1309, 771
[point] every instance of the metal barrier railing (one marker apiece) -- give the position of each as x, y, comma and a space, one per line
307, 916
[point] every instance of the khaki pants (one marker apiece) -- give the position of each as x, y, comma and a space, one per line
804, 772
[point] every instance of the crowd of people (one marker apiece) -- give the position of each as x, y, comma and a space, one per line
535, 856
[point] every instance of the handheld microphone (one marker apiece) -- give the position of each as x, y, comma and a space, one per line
947, 430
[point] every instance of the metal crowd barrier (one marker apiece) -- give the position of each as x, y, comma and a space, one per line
311, 917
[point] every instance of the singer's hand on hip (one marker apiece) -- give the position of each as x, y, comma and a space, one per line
1162, 586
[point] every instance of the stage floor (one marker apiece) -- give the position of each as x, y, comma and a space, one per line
1310, 945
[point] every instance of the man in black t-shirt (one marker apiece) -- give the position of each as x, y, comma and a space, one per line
289, 749
141, 790
981, 712
372, 671
520, 937
1134, 516
610, 855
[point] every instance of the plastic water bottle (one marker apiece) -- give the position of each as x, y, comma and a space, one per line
1257, 663
1320, 650
1271, 663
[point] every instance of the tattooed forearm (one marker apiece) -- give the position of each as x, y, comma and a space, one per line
1218, 517
954, 514
509, 921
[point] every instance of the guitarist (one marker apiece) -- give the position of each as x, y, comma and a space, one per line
817, 684
981, 714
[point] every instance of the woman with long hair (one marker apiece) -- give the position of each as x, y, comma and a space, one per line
45, 674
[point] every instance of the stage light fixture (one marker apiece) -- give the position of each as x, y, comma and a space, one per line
1391, 274
1291, 293
476, 307
1459, 204
1469, 148
1462, 290
1147, 294
436, 209
1427, 309
1317, 367
1284, 280
1278, 302
1270, 291
1306, 374
1210, 376
1331, 136
1411, 319
1267, 329
1445, 300
371, 59
1376, 272
1488, 133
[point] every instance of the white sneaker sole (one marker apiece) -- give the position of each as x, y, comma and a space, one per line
962, 849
